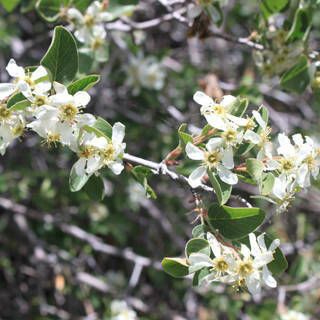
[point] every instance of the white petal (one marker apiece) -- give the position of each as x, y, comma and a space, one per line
60, 88
253, 284
14, 70
74, 14
39, 73
193, 152
259, 119
237, 120
42, 87
93, 164
226, 175
255, 250
245, 251
267, 277
79, 167
213, 144
228, 101
261, 242
202, 99
118, 132
196, 176
81, 98
216, 121
297, 138
227, 158
6, 89
116, 167
198, 261
214, 244
274, 245
252, 136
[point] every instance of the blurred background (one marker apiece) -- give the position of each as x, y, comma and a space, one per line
68, 255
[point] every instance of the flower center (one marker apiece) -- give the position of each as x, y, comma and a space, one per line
96, 44
230, 135
245, 268
40, 101
18, 130
108, 153
287, 164
87, 152
264, 135
89, 20
220, 264
219, 109
29, 81
310, 161
52, 139
68, 112
212, 159
5, 113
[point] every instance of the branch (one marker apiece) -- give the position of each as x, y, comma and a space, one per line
161, 168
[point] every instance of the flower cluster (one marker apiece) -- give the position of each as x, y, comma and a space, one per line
145, 73
89, 29
294, 315
58, 118
121, 311
278, 56
244, 268
291, 164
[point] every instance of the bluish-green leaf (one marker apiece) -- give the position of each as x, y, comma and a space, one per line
235, 223
95, 188
21, 105
239, 107
269, 7
61, 58
175, 267
255, 168
18, 97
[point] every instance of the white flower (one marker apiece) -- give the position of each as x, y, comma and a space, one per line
12, 125
215, 157
252, 268
294, 315
96, 152
218, 114
94, 15
28, 83
67, 106
121, 311
96, 43
146, 73
261, 139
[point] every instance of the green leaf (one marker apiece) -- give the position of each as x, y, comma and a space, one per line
269, 7
50, 9
235, 223
255, 168
101, 128
297, 78
222, 190
197, 245
95, 188
61, 58
199, 276
176, 267
9, 5
83, 84
267, 182
301, 25
141, 174
239, 107
76, 182
184, 137
18, 97
215, 13
21, 105
199, 231
81, 5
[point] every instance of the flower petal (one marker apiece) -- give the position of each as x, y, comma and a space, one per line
118, 132
213, 144
226, 175
227, 158
14, 70
196, 176
267, 277
6, 89
193, 152
202, 99
81, 98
